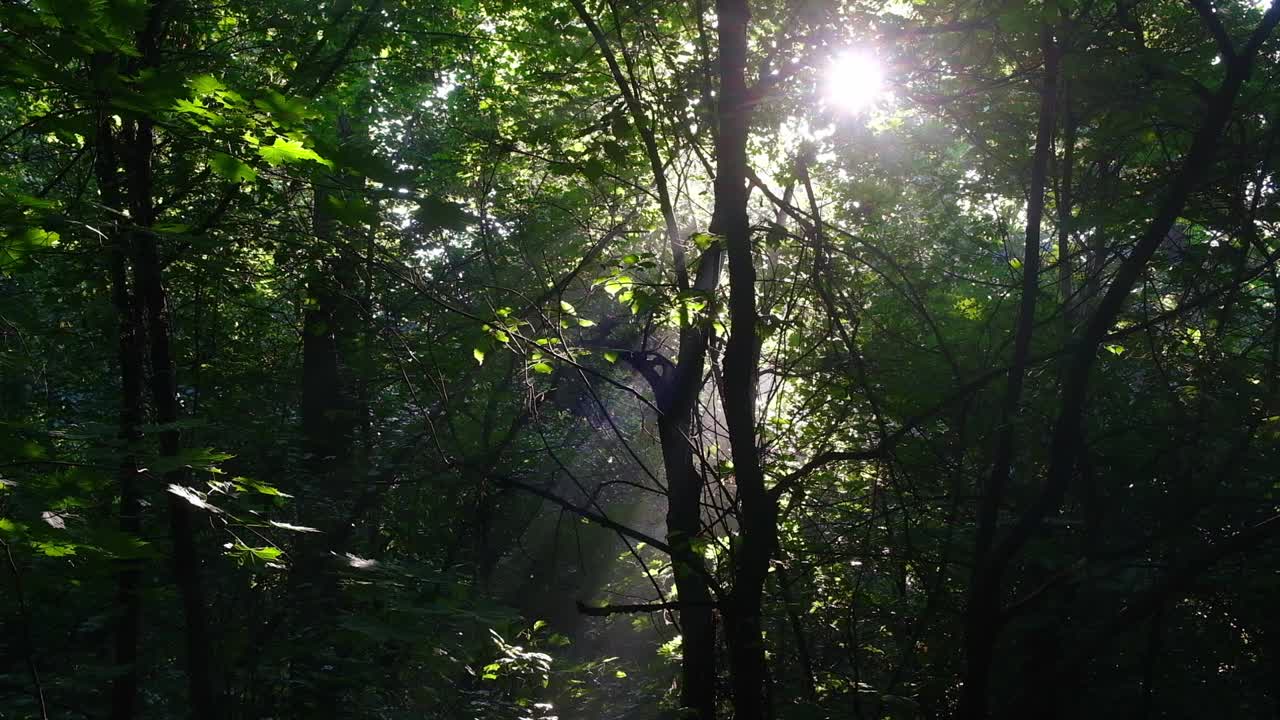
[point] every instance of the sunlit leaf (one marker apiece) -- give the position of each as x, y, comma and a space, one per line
284, 151
232, 168
293, 528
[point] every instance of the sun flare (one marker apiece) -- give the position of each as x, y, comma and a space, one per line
854, 82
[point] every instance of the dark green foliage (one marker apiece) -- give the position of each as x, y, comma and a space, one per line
387, 359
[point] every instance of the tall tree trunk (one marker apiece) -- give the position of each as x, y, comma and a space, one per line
684, 525
677, 399
677, 388
330, 421
124, 689
164, 400
758, 522
139, 150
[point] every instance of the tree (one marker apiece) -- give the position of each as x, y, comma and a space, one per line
615, 359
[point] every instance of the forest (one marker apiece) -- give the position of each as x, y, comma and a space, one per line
639, 359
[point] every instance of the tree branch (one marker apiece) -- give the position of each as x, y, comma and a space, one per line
605, 610
1214, 25
582, 512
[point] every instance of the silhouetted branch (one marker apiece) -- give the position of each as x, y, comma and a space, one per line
605, 610
583, 512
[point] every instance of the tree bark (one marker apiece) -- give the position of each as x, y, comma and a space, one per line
330, 410
129, 342
1062, 198
140, 147
757, 537
124, 689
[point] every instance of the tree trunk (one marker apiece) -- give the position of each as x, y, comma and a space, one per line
124, 689
758, 523
677, 398
329, 428
164, 400
1067, 438
684, 525
140, 147
1062, 198
982, 621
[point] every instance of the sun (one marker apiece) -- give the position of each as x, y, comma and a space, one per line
854, 81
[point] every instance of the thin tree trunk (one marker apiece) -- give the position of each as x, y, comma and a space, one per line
1155, 638
982, 621
1063, 200
677, 398
140, 147
1067, 437
328, 430
164, 400
803, 655
1065, 444
684, 525
124, 689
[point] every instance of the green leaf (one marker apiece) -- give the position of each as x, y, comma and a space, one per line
205, 459
292, 528
615, 152
24, 242
566, 307
611, 356
54, 549
232, 168
583, 322
478, 354
205, 84
283, 152
195, 107
258, 487
287, 112
593, 169
353, 211
267, 553
541, 368
196, 499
